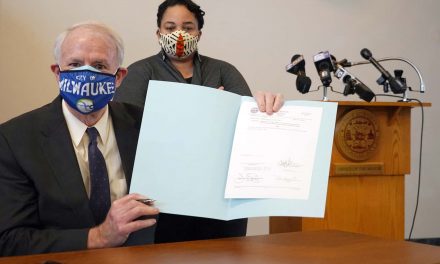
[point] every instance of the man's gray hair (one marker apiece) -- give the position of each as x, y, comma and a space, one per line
97, 26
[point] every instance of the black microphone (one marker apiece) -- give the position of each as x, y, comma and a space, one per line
396, 85
324, 66
353, 84
344, 63
297, 66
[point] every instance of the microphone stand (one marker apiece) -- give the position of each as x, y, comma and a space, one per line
324, 97
405, 94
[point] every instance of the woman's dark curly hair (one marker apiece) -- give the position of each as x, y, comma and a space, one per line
190, 5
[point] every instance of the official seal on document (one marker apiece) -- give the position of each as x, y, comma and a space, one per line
357, 134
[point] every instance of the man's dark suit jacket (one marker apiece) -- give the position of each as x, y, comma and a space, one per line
43, 205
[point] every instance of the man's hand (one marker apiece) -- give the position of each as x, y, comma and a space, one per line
122, 219
269, 102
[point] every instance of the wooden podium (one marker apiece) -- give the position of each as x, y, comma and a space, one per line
370, 157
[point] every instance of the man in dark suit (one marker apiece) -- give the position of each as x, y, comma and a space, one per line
66, 167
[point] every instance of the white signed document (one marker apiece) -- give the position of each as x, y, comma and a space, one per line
192, 137
273, 156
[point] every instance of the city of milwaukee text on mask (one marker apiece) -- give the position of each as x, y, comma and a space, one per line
87, 89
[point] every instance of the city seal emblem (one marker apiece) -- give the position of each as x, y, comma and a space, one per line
357, 134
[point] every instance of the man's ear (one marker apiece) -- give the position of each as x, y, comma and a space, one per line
120, 75
200, 35
55, 68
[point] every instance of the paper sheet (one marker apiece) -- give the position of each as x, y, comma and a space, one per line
184, 151
273, 155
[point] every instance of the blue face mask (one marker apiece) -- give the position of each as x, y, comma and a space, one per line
86, 89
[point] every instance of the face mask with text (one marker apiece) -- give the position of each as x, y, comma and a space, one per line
86, 89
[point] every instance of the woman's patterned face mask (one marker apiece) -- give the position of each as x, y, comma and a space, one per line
179, 44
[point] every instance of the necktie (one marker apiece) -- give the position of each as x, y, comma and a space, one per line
99, 184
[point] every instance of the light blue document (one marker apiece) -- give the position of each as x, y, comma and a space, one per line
184, 150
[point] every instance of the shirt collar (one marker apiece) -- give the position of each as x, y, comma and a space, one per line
78, 128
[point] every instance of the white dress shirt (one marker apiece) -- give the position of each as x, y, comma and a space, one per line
107, 145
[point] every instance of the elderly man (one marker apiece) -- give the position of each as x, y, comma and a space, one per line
65, 168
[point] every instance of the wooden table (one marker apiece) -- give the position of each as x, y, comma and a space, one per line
298, 247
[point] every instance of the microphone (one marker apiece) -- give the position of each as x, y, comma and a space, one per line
353, 84
396, 85
324, 66
297, 66
344, 63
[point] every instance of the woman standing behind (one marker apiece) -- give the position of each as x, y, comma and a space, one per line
179, 30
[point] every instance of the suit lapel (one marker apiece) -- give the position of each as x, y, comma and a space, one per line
127, 133
59, 151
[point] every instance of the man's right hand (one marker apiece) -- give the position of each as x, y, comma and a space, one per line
122, 219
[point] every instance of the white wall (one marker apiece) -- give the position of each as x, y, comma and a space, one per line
259, 38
